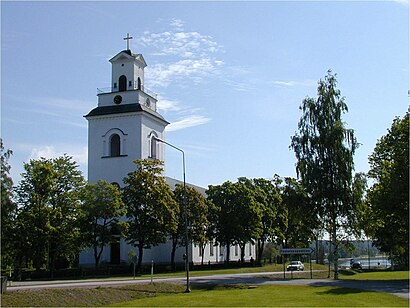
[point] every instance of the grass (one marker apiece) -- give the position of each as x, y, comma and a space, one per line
166, 294
268, 296
85, 297
374, 275
241, 270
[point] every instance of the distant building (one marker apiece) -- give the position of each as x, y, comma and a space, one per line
121, 129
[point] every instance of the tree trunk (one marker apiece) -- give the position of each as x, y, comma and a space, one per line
261, 246
97, 254
228, 252
242, 247
174, 248
335, 253
140, 252
52, 256
38, 258
202, 247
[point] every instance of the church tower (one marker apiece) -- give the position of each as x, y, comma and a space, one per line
123, 127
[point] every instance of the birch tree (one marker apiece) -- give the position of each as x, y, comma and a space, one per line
324, 150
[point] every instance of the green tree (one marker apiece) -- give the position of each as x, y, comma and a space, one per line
324, 150
302, 219
273, 214
197, 217
8, 208
239, 215
64, 238
364, 220
49, 207
101, 208
389, 195
34, 194
150, 206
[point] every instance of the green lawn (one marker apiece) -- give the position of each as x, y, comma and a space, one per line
270, 296
375, 275
163, 294
86, 297
241, 270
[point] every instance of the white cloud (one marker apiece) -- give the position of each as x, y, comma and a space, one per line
165, 105
79, 154
178, 24
188, 116
294, 83
402, 2
194, 69
186, 56
190, 121
239, 85
201, 148
179, 43
62, 110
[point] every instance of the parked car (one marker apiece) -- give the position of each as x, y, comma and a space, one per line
295, 266
356, 265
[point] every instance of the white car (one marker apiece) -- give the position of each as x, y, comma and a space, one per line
295, 266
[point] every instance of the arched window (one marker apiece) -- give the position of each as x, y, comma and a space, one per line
139, 83
153, 148
122, 83
115, 144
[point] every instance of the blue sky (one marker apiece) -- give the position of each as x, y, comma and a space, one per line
230, 76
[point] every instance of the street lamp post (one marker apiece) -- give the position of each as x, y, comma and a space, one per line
188, 289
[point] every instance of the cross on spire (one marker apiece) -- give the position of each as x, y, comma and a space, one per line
128, 38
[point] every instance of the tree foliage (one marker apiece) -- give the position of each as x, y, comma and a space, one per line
389, 195
48, 210
194, 205
150, 206
101, 208
364, 220
238, 219
324, 149
8, 208
273, 215
301, 217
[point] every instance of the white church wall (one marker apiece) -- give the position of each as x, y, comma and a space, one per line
149, 125
122, 67
138, 72
128, 97
101, 165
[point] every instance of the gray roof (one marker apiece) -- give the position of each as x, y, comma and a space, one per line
172, 182
126, 108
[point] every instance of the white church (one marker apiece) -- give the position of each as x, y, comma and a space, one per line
121, 129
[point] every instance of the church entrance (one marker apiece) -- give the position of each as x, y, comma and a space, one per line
115, 253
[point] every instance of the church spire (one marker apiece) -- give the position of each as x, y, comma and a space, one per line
128, 38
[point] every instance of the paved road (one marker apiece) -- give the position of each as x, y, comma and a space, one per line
398, 287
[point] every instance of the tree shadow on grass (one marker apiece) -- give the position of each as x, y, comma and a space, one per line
341, 291
210, 287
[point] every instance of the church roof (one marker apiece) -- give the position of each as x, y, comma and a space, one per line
173, 182
126, 108
127, 54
